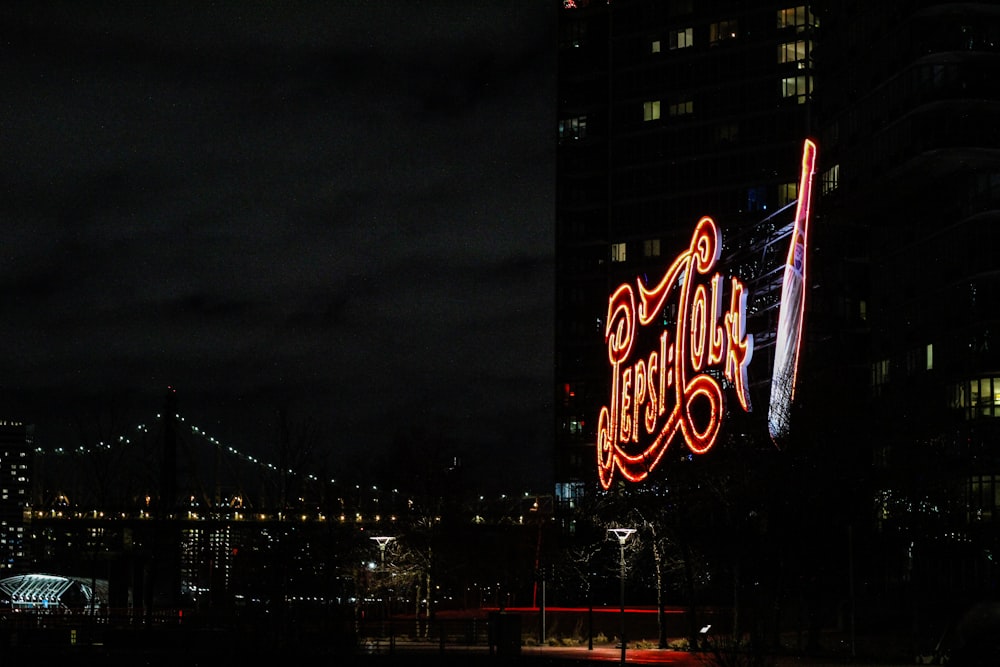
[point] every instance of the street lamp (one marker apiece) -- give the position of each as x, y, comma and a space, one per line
622, 534
383, 542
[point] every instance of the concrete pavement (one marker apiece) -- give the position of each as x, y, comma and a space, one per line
428, 653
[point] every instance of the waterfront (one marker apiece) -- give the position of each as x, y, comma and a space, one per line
86, 644
290, 656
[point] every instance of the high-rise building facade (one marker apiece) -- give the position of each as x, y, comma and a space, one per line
910, 112
672, 110
667, 112
16, 456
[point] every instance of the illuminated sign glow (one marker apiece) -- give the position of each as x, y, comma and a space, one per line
793, 302
673, 387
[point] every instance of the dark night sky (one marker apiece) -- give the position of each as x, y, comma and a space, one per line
342, 209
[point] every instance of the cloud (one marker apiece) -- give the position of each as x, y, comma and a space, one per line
344, 205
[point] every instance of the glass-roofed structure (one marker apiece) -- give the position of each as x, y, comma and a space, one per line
49, 592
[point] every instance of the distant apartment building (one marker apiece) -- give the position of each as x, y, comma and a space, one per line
16, 455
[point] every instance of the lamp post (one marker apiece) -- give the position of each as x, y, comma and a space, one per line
622, 534
383, 542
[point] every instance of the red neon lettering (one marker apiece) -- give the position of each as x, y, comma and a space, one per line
635, 429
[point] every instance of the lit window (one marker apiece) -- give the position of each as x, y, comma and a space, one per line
569, 492
787, 193
617, 252
977, 398
681, 108
984, 396
796, 17
799, 87
722, 31
983, 497
930, 356
830, 179
573, 128
651, 110
880, 375
654, 46
681, 39
651, 248
794, 52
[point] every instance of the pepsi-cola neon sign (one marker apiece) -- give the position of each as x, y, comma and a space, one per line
673, 386
791, 317
670, 390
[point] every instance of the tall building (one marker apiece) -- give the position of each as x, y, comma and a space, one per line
911, 134
667, 112
672, 110
16, 455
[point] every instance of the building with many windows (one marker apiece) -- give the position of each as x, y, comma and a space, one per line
910, 112
16, 456
667, 112
672, 110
